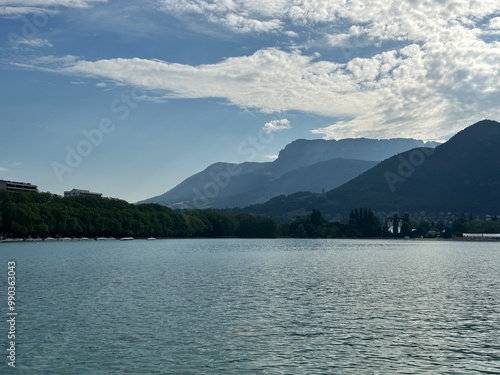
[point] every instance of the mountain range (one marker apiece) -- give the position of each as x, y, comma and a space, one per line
303, 165
459, 176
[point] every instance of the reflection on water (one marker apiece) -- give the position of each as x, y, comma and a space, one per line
256, 307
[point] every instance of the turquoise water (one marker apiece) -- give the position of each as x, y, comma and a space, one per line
254, 307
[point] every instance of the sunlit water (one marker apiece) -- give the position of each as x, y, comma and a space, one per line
255, 307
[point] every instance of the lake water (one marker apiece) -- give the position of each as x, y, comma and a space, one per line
254, 307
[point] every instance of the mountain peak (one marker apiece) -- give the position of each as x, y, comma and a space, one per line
312, 165
460, 176
482, 129
295, 154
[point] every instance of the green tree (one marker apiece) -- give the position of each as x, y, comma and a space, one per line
405, 229
256, 227
363, 223
300, 231
197, 225
395, 225
422, 229
459, 226
353, 225
316, 218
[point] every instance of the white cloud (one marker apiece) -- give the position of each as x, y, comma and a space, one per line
416, 91
271, 157
277, 125
400, 19
446, 78
337, 39
16, 164
269, 80
19, 8
35, 42
278, 11
494, 23
438, 76
52, 3
15, 12
239, 16
242, 24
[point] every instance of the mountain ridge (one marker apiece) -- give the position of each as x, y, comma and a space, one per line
226, 185
461, 175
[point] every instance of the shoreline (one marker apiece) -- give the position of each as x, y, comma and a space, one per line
127, 239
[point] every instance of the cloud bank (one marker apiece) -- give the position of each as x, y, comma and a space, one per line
382, 69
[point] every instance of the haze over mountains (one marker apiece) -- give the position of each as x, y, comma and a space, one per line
303, 165
459, 176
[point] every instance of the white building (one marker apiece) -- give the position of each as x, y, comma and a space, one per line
394, 228
17, 186
81, 193
482, 235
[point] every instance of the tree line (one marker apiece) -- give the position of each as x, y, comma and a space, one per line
44, 214
362, 224
35, 215
416, 229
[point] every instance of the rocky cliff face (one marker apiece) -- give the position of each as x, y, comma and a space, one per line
301, 153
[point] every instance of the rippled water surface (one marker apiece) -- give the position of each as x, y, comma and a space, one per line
255, 307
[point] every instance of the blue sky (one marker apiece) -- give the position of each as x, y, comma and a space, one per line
129, 98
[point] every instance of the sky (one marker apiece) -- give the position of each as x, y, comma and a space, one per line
128, 98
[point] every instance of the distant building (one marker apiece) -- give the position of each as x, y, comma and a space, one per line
394, 228
17, 186
81, 193
482, 235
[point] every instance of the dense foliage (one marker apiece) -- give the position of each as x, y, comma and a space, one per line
362, 224
44, 214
